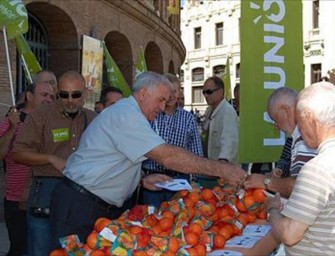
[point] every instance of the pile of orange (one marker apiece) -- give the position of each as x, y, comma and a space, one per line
193, 221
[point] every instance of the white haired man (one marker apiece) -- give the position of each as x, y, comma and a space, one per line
306, 224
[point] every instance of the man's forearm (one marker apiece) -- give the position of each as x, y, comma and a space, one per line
283, 186
32, 158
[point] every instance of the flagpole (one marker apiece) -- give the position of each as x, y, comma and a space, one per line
8, 64
26, 68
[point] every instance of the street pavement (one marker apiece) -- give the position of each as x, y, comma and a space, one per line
4, 241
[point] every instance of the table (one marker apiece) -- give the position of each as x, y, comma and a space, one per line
263, 247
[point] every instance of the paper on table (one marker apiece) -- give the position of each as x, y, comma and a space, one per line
256, 230
243, 241
224, 253
174, 185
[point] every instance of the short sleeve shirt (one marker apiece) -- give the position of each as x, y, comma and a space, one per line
313, 202
108, 160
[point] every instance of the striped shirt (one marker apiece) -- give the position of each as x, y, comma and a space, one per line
179, 129
16, 173
300, 153
284, 163
313, 202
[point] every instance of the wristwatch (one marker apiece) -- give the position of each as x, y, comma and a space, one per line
266, 182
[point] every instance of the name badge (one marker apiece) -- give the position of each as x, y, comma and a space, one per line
61, 134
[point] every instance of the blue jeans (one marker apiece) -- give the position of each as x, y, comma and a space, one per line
39, 235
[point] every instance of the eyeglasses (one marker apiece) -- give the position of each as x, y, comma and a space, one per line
66, 95
210, 91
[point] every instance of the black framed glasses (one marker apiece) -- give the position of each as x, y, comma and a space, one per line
210, 91
66, 95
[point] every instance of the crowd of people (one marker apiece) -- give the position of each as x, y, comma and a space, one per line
67, 165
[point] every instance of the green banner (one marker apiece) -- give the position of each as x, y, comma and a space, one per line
30, 63
13, 16
226, 80
141, 65
114, 75
271, 57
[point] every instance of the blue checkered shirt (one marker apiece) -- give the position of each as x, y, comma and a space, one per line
179, 129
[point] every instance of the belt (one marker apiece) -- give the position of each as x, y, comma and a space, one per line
84, 191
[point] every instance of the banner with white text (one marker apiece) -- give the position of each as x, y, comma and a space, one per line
271, 57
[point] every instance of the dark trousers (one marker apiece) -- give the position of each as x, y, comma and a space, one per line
17, 228
74, 213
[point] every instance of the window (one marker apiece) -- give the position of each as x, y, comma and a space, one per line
197, 96
219, 70
198, 74
197, 38
315, 73
238, 70
181, 75
316, 13
219, 33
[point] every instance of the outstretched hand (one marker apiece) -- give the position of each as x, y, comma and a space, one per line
234, 174
150, 180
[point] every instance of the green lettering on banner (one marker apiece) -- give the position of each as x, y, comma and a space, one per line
61, 134
271, 57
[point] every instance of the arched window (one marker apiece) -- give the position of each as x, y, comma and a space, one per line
197, 74
219, 70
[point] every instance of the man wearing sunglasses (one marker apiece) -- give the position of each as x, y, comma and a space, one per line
49, 135
221, 123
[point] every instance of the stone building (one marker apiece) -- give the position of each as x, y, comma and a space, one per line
210, 32
56, 29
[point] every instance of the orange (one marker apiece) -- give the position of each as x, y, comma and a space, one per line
223, 212
259, 195
201, 249
166, 223
240, 206
58, 252
168, 253
151, 220
219, 241
215, 229
226, 232
191, 238
189, 203
262, 214
156, 229
206, 194
168, 214
143, 240
135, 230
182, 193
194, 196
249, 201
243, 219
205, 237
139, 253
195, 228
192, 251
100, 223
173, 244
191, 213
251, 217
97, 253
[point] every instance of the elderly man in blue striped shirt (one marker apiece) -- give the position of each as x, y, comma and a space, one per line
177, 127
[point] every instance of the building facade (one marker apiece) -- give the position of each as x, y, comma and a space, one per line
56, 29
211, 34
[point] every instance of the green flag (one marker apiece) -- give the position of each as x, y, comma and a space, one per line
271, 57
141, 65
226, 81
13, 16
114, 75
30, 63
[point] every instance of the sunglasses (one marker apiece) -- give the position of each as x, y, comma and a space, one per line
210, 91
66, 95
